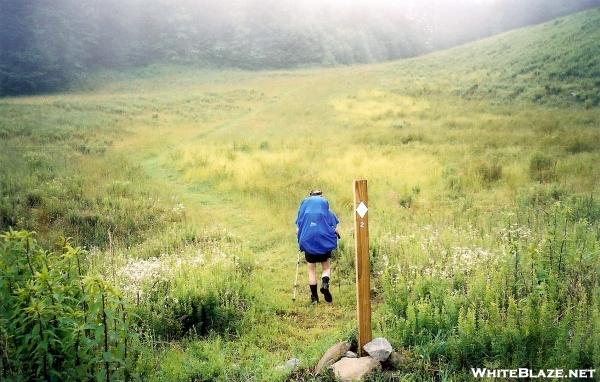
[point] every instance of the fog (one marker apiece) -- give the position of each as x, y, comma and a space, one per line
45, 45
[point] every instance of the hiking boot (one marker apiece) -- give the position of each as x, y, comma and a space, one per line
325, 289
314, 299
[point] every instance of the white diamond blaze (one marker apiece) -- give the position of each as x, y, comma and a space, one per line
362, 210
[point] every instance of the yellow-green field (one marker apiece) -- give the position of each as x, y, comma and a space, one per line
209, 167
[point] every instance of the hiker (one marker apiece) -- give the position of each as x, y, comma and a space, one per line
316, 228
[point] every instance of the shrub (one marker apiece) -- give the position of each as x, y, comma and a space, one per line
215, 308
34, 198
411, 138
542, 168
405, 200
243, 147
194, 314
57, 322
264, 145
552, 90
489, 173
580, 146
542, 195
400, 124
455, 185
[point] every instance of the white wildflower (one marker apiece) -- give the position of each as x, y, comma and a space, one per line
179, 208
515, 232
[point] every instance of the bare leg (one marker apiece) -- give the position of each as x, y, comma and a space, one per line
326, 265
312, 282
312, 273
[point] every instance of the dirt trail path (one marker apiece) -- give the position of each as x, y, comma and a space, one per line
293, 324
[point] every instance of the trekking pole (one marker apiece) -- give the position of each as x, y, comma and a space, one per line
296, 279
339, 253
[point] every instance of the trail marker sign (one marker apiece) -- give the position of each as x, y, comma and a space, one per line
363, 271
362, 210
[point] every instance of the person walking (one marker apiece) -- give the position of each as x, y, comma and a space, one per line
316, 229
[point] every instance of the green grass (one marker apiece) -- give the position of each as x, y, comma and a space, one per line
553, 63
207, 168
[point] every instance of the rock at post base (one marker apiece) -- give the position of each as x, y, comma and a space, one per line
333, 354
350, 354
291, 364
354, 369
379, 348
395, 361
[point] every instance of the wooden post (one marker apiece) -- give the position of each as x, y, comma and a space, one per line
363, 266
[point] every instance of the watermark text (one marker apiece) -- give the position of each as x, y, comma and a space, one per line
530, 373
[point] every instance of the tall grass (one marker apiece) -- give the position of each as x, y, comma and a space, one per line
519, 292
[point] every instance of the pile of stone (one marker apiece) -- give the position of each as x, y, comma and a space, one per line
348, 366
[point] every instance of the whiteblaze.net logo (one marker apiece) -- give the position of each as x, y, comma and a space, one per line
531, 374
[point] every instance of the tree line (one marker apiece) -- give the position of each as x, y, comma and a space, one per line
46, 45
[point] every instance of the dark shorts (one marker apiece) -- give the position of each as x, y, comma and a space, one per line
312, 258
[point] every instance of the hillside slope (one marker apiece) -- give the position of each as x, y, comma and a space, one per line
249, 34
555, 62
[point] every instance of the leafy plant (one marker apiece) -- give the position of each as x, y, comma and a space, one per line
60, 323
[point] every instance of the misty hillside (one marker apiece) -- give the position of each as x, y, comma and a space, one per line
47, 46
556, 62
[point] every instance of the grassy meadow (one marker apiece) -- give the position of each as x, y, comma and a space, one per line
182, 184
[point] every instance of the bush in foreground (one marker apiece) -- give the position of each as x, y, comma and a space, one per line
56, 322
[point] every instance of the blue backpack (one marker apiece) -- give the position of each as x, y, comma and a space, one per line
316, 226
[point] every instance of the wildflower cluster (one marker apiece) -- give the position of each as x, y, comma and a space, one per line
138, 274
522, 295
179, 208
515, 233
